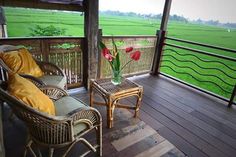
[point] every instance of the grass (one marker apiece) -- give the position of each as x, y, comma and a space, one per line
21, 20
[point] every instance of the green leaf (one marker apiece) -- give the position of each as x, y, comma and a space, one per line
116, 62
102, 46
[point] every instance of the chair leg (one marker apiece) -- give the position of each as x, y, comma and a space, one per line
99, 139
28, 147
39, 152
51, 151
67, 151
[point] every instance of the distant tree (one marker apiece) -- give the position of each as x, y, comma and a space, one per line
50, 30
212, 22
230, 25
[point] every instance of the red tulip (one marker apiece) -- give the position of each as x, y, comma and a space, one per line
109, 57
105, 51
129, 49
136, 55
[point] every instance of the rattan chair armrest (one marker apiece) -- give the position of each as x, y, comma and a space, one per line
53, 92
87, 115
4, 66
34, 80
50, 69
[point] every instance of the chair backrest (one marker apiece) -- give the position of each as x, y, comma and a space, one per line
3, 66
43, 128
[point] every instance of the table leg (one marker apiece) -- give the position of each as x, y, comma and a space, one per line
138, 103
109, 113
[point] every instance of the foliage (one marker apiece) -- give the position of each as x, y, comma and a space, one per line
50, 30
113, 55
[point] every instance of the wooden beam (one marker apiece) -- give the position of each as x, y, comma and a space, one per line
2, 148
91, 36
41, 5
161, 38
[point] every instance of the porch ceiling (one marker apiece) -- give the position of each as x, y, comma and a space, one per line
78, 2
70, 5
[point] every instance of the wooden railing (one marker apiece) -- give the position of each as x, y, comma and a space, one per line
65, 52
145, 44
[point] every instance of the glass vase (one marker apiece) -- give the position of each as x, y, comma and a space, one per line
116, 77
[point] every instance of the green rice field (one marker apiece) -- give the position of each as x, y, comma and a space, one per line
19, 22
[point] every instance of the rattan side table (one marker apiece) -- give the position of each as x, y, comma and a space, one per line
112, 94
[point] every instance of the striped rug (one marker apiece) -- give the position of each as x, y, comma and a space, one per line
131, 137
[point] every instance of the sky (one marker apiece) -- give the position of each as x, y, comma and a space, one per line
222, 10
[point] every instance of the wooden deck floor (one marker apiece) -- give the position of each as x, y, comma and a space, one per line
197, 124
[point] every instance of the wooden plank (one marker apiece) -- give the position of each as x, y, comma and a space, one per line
181, 131
149, 120
162, 95
151, 95
40, 5
191, 95
158, 150
219, 126
180, 143
204, 131
179, 94
133, 138
141, 146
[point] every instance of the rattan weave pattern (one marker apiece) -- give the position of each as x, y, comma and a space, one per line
56, 131
110, 88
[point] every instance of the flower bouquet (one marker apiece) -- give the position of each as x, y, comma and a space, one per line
113, 57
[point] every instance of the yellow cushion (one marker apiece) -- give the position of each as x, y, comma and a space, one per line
21, 62
27, 92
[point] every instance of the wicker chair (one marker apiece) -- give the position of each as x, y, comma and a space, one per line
53, 75
57, 131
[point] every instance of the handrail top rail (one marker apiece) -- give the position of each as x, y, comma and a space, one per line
129, 36
201, 52
202, 44
42, 37
77, 37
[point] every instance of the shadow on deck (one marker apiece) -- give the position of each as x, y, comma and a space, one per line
197, 124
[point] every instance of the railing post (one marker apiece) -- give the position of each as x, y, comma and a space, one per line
45, 49
99, 54
3, 25
160, 39
232, 97
158, 52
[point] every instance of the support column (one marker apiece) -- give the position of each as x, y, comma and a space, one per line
161, 38
91, 36
3, 25
2, 148
99, 54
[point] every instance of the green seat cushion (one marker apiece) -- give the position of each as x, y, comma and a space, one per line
66, 105
54, 80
